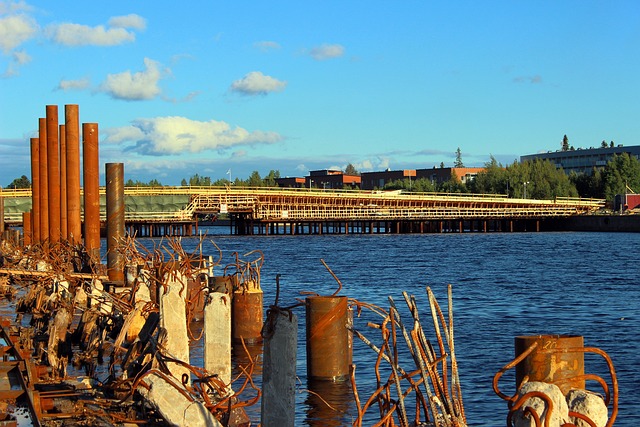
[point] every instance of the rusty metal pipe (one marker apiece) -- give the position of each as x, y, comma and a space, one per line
53, 170
27, 230
246, 316
35, 189
328, 353
72, 137
114, 177
63, 181
91, 180
549, 363
44, 180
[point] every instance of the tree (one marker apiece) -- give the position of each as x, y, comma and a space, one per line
351, 170
22, 182
620, 173
492, 180
198, 181
604, 144
255, 180
565, 143
271, 180
458, 163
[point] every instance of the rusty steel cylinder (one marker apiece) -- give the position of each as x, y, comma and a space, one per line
328, 353
35, 189
114, 176
44, 180
557, 359
53, 168
246, 316
27, 230
72, 138
63, 181
91, 178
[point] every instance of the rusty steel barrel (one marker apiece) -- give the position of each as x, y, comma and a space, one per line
328, 350
557, 359
246, 316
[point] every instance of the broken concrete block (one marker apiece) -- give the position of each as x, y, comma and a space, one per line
557, 417
590, 404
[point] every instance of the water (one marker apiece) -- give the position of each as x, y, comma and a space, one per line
504, 285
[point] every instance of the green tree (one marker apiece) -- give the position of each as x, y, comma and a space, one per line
492, 180
198, 181
604, 144
458, 163
22, 182
255, 180
565, 143
271, 180
351, 170
543, 180
620, 173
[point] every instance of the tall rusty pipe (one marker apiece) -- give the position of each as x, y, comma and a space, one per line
114, 177
63, 182
53, 168
35, 189
44, 180
91, 178
72, 137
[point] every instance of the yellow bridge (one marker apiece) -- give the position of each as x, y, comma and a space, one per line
263, 210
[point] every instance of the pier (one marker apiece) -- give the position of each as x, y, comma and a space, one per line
173, 211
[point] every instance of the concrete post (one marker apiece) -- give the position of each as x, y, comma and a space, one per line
173, 319
72, 138
91, 190
217, 336
53, 168
114, 177
279, 370
35, 189
44, 180
63, 182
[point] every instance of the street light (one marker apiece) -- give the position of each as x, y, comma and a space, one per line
525, 189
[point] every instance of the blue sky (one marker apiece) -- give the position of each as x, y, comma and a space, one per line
211, 86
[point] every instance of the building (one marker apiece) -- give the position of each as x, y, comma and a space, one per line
440, 175
582, 160
377, 180
291, 182
332, 179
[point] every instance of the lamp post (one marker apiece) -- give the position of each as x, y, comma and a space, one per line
525, 189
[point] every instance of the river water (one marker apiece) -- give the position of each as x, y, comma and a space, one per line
504, 285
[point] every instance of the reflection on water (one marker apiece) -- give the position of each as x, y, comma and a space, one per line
329, 403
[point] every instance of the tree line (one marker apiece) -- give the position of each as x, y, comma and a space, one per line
537, 179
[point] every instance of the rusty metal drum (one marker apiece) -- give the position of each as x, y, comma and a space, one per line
557, 359
328, 349
246, 316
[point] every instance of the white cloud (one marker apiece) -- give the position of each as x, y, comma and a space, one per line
142, 85
15, 30
178, 135
266, 46
128, 21
327, 51
256, 83
7, 7
79, 84
69, 34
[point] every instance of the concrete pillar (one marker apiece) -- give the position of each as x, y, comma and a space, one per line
35, 189
44, 180
114, 177
91, 177
173, 319
279, 370
217, 336
72, 139
63, 182
53, 168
